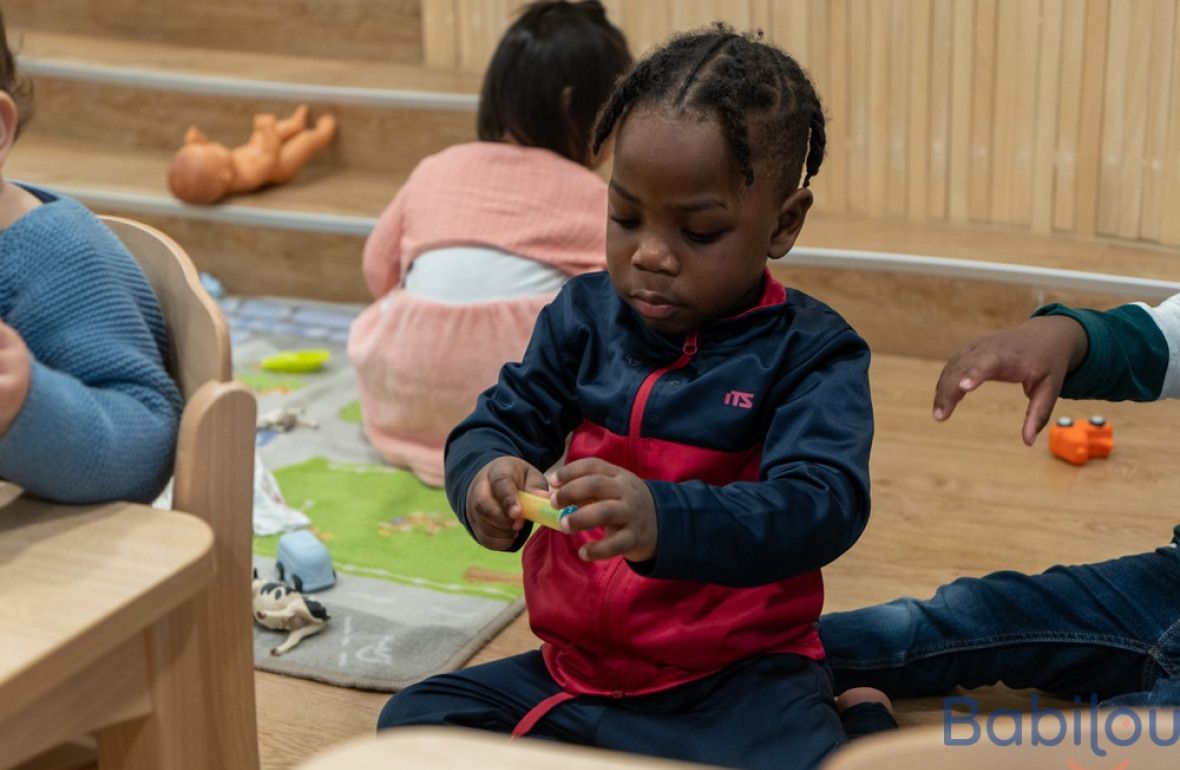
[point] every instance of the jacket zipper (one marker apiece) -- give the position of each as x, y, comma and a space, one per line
645, 388
687, 352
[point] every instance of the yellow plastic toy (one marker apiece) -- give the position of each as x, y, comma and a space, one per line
1077, 442
297, 361
537, 509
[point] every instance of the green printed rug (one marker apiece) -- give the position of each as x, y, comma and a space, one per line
414, 594
381, 522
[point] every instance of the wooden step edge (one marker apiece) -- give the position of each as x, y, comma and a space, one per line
219, 85
831, 258
802, 256
977, 270
296, 69
992, 243
233, 214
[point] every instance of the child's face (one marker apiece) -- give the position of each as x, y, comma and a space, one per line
688, 240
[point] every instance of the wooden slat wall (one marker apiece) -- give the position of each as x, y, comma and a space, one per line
1052, 115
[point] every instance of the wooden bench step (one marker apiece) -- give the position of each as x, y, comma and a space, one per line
930, 310
152, 119
991, 243
300, 239
317, 191
38, 48
378, 30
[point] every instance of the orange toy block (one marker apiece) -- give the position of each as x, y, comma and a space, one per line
1076, 442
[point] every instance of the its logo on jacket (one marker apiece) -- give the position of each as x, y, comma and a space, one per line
739, 399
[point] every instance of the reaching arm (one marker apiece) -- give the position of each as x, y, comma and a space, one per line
525, 415
1133, 355
1128, 352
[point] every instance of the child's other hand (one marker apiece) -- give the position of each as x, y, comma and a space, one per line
610, 497
1038, 354
14, 376
492, 508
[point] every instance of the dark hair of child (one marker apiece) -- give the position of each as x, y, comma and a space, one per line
760, 95
16, 86
552, 47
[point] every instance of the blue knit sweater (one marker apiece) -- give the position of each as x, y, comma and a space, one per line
102, 412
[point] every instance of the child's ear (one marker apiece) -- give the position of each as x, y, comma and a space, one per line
791, 215
9, 120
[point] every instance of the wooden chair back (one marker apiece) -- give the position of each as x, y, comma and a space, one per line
199, 351
214, 480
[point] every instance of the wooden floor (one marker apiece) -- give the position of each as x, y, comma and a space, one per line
957, 498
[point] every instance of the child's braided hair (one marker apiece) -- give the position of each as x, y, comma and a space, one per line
12, 83
755, 89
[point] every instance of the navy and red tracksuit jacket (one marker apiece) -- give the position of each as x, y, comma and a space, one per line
753, 434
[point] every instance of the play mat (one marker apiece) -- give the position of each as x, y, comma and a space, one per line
415, 595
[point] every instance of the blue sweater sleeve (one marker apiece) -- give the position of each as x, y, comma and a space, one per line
1127, 356
527, 414
812, 502
101, 415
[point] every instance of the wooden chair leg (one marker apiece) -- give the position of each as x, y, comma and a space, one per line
78, 754
222, 494
177, 733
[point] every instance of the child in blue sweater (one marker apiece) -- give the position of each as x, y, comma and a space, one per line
88, 412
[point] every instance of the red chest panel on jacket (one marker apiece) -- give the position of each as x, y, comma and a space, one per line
611, 631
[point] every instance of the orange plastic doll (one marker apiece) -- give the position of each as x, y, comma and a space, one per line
204, 171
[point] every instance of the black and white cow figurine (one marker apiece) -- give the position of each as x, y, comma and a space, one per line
279, 607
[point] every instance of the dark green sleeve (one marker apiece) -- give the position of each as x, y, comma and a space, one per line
1127, 358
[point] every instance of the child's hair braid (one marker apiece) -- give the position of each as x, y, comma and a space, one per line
755, 90
12, 83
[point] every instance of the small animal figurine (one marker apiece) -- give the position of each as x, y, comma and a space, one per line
285, 419
279, 607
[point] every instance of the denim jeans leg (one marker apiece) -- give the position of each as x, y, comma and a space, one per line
1077, 630
1166, 688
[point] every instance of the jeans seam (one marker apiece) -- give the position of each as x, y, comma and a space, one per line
1166, 650
999, 640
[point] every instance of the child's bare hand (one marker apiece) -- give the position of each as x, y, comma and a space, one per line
492, 508
610, 497
14, 376
1038, 354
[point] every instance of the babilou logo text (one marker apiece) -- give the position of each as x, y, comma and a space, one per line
1086, 726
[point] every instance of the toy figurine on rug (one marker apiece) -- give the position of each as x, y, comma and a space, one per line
278, 607
285, 419
205, 171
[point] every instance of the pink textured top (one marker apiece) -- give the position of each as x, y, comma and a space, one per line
420, 363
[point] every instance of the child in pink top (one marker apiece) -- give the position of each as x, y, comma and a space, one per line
482, 235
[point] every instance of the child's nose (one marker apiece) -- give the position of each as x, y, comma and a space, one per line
654, 256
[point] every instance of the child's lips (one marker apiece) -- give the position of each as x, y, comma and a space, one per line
651, 305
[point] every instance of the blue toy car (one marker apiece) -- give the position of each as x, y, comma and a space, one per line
304, 561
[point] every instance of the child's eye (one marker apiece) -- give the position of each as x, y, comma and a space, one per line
702, 239
627, 223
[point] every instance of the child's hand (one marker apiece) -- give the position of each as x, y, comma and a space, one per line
492, 508
14, 376
1038, 354
610, 497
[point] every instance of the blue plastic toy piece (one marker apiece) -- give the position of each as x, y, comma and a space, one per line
304, 561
